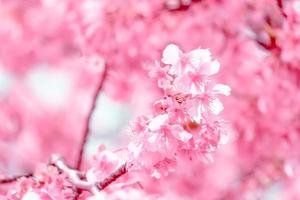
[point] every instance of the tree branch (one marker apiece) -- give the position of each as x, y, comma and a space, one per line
11, 179
113, 177
86, 130
74, 176
280, 5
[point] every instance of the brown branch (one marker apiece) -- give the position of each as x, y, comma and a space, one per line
113, 177
11, 179
86, 130
280, 5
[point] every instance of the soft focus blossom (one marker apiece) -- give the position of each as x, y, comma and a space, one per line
52, 58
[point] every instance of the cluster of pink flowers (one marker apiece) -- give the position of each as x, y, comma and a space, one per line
47, 184
183, 122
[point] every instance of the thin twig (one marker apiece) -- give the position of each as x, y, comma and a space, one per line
14, 178
86, 130
280, 5
113, 177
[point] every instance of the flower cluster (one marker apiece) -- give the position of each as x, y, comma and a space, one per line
48, 184
184, 123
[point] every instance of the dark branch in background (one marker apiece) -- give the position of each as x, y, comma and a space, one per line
86, 130
272, 43
280, 5
11, 179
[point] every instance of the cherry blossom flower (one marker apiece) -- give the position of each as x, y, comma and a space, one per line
164, 135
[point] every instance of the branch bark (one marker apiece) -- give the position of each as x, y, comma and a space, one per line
86, 130
280, 5
75, 176
11, 179
113, 177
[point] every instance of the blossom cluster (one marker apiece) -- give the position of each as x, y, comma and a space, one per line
184, 123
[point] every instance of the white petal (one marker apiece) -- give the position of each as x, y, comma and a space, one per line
135, 149
198, 116
194, 90
288, 169
157, 122
152, 138
31, 196
296, 6
199, 56
156, 174
90, 175
216, 106
222, 89
185, 136
224, 139
212, 68
171, 54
